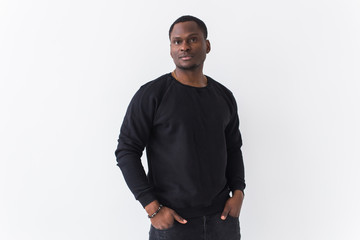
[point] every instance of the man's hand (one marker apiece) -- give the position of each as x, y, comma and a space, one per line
164, 219
233, 205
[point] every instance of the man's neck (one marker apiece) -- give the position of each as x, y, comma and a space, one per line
191, 78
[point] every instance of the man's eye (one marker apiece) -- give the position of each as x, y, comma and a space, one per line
177, 42
192, 40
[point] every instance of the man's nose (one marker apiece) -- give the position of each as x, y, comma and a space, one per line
185, 46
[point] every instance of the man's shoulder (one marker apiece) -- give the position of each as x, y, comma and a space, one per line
154, 88
220, 86
159, 82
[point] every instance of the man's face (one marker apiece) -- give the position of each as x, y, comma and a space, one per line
188, 47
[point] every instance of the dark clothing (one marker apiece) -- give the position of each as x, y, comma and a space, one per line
192, 142
200, 228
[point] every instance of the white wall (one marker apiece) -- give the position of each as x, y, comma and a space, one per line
69, 68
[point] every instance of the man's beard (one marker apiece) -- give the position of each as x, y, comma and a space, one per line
192, 67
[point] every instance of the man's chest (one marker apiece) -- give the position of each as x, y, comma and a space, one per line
195, 108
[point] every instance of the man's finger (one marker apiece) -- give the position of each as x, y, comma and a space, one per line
179, 219
225, 213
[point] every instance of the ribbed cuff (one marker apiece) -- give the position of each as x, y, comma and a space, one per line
240, 187
146, 199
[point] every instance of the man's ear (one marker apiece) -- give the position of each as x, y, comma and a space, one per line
208, 46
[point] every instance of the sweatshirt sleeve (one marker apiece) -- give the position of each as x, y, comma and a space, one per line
134, 134
235, 165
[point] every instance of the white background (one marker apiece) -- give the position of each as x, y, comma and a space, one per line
68, 70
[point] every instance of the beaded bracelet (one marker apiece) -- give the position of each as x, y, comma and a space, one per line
157, 211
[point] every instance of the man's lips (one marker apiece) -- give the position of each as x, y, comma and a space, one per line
185, 57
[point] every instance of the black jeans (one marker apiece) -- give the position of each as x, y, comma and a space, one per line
200, 228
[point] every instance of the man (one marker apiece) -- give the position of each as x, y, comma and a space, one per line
189, 125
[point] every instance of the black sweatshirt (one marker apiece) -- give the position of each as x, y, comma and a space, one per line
192, 142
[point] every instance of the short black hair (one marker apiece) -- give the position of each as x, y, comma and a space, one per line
188, 18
